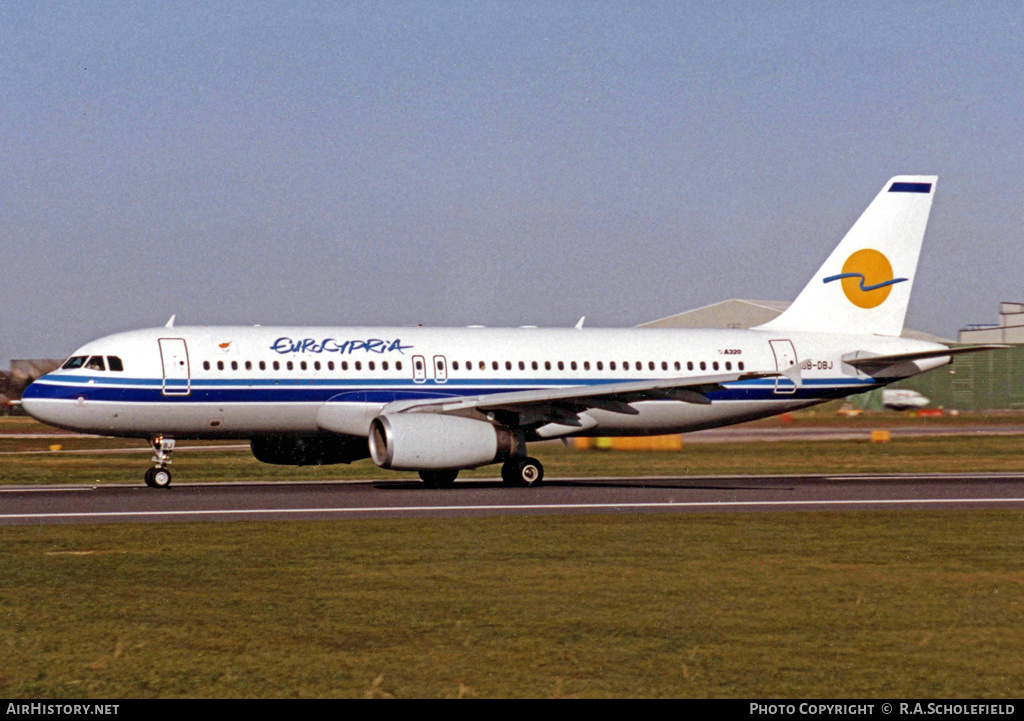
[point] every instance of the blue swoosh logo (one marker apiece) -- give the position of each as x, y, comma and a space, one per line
863, 287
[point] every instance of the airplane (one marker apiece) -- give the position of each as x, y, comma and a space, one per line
439, 400
902, 399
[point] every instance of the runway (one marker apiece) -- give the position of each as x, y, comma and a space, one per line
407, 499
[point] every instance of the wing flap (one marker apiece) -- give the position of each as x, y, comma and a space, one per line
554, 403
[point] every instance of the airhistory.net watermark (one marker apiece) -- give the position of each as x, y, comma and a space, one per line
62, 709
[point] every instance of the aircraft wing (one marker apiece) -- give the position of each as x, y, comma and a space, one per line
547, 405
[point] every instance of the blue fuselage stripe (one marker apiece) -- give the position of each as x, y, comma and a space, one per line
139, 390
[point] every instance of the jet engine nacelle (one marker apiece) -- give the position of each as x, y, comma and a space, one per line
425, 441
308, 450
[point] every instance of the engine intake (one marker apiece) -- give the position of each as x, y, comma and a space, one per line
423, 441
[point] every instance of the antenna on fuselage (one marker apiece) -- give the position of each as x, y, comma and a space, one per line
170, 322
579, 326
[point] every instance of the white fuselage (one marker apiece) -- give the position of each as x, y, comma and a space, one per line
241, 382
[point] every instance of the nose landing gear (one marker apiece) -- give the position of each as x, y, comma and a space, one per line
160, 477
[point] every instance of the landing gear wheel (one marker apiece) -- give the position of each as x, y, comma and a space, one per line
509, 472
158, 478
522, 472
439, 479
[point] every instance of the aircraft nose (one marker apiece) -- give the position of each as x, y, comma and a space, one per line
30, 400
41, 405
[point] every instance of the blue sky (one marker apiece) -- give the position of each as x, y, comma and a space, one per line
496, 163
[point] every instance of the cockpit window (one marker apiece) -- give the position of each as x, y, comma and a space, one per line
114, 363
75, 362
96, 363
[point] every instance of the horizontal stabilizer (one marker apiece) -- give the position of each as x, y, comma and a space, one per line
884, 360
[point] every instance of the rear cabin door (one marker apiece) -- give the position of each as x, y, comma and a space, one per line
174, 355
785, 358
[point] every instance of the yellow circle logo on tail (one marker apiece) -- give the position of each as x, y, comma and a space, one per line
866, 278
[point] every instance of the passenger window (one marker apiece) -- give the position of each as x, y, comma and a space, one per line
600, 365
77, 362
263, 365
302, 365
114, 363
277, 365
508, 365
714, 365
494, 365
359, 365
96, 363
611, 366
547, 365
206, 365
689, 365
522, 365
220, 365
561, 366
248, 365
290, 366
372, 366
384, 365
455, 365
728, 366
398, 365
625, 366
573, 365
703, 366
330, 365
740, 365
586, 365
234, 365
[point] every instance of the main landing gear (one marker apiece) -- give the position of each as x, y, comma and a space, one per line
522, 471
160, 477
514, 472
439, 479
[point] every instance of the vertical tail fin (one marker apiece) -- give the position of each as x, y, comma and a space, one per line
864, 286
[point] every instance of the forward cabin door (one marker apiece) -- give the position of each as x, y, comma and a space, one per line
785, 358
174, 355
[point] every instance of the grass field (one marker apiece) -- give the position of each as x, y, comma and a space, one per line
746, 605
925, 604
